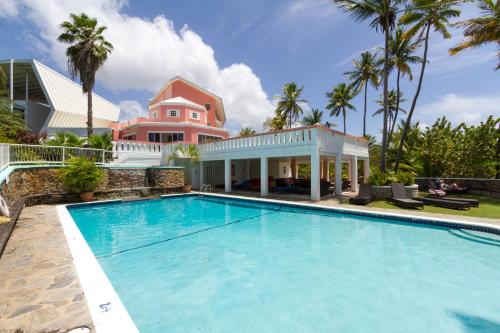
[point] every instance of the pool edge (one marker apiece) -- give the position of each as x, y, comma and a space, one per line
97, 288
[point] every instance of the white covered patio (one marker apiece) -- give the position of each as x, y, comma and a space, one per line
278, 154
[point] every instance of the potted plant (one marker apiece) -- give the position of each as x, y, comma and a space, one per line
186, 156
81, 176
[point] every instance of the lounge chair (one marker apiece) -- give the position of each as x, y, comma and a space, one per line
442, 195
400, 199
364, 196
436, 184
446, 203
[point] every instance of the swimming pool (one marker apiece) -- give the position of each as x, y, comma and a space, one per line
208, 264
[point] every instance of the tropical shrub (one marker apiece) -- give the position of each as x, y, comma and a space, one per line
406, 178
103, 141
378, 178
81, 175
66, 139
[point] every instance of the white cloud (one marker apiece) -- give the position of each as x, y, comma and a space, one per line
468, 109
131, 109
8, 8
149, 52
310, 9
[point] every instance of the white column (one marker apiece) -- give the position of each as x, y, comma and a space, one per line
338, 174
202, 173
366, 172
354, 173
264, 176
227, 175
11, 85
315, 175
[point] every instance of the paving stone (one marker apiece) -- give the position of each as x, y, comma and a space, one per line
39, 287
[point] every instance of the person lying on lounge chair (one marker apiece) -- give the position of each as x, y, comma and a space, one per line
439, 184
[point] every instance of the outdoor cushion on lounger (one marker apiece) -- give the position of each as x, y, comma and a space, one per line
446, 203
364, 196
442, 195
400, 199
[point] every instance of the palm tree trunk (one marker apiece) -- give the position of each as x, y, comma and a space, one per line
364, 114
398, 89
415, 99
90, 126
343, 114
386, 91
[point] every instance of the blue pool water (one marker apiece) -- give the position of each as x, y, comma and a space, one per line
193, 264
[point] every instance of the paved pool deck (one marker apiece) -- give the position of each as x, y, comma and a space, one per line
39, 286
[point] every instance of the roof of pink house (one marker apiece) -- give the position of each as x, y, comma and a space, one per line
194, 85
181, 101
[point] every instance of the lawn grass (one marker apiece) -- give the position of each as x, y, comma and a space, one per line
488, 207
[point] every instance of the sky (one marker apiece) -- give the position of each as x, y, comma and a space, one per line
245, 51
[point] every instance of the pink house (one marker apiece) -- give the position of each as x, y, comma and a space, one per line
180, 112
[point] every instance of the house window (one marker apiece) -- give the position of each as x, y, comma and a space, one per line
207, 106
165, 137
195, 115
173, 113
205, 138
131, 137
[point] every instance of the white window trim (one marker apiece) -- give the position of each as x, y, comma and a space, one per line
194, 112
161, 132
129, 134
207, 134
177, 112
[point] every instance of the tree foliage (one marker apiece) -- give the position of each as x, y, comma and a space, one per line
442, 150
87, 53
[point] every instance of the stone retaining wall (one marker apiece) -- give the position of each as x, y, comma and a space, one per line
481, 186
41, 184
383, 192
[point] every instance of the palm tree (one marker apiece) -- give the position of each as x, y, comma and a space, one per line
66, 139
87, 54
339, 101
383, 15
189, 152
401, 52
103, 141
424, 15
329, 124
313, 118
246, 131
366, 70
481, 30
289, 103
393, 106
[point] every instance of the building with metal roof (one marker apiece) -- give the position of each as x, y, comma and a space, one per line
51, 102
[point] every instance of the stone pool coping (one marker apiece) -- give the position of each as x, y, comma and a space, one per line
99, 291
106, 309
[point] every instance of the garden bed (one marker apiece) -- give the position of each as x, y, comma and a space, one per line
7, 227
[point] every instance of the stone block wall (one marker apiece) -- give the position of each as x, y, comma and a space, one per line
488, 187
168, 178
42, 185
383, 192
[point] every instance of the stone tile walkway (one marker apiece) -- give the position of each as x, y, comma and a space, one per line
39, 287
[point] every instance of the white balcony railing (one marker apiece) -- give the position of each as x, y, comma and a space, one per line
43, 154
